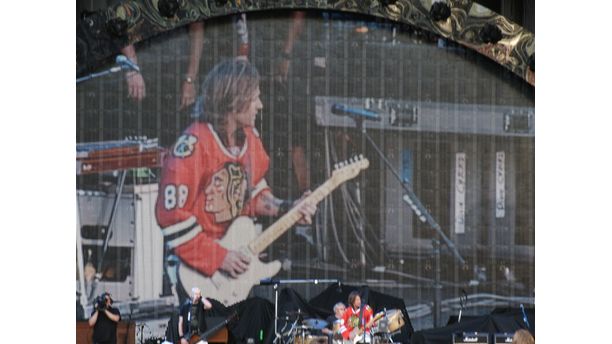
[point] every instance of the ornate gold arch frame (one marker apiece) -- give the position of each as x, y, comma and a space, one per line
100, 36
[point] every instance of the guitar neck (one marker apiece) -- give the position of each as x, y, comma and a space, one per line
358, 330
375, 319
290, 218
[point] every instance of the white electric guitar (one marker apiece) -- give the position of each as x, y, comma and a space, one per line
357, 335
242, 236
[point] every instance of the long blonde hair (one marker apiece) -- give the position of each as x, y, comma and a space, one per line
228, 87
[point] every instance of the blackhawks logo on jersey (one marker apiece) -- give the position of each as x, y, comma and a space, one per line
185, 145
226, 192
353, 321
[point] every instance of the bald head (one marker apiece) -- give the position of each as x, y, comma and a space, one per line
196, 294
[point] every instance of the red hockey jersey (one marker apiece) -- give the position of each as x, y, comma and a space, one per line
351, 319
203, 188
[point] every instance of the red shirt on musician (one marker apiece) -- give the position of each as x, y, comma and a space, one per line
353, 313
215, 173
203, 187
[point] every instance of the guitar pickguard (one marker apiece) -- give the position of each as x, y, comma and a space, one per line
223, 287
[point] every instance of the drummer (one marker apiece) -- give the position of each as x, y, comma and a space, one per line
335, 323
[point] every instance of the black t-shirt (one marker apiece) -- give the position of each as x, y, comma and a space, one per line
105, 330
192, 314
330, 321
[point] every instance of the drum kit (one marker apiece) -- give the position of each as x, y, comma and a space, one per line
386, 327
303, 331
308, 331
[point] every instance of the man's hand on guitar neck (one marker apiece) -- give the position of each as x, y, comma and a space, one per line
268, 204
235, 263
307, 209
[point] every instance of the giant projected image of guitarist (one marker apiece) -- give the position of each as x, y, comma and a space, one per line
215, 173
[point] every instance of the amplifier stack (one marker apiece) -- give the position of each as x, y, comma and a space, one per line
471, 338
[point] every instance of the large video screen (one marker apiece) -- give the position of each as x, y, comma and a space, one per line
204, 168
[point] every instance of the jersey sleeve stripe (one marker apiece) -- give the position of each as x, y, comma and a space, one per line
178, 227
170, 237
195, 230
261, 186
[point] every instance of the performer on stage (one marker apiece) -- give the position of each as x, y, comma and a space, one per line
191, 316
215, 173
355, 317
335, 323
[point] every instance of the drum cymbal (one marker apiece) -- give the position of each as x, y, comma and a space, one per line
317, 324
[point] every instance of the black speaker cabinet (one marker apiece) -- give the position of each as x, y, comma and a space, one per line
471, 338
501, 338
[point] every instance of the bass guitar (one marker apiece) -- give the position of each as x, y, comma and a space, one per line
201, 339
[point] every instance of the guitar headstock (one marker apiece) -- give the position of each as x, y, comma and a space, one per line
350, 168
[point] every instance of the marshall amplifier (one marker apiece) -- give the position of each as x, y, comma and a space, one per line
471, 338
503, 338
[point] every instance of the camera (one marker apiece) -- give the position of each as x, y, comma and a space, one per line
100, 302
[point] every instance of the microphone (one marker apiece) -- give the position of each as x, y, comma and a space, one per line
355, 113
268, 281
126, 63
525, 320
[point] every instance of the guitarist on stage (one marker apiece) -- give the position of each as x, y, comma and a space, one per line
191, 316
356, 318
215, 172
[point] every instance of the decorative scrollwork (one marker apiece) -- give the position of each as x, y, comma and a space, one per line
465, 25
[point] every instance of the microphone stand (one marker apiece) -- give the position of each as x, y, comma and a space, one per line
424, 215
276, 283
121, 62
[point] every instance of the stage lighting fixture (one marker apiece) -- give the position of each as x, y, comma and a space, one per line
531, 62
220, 3
168, 8
387, 2
93, 22
117, 27
439, 11
490, 33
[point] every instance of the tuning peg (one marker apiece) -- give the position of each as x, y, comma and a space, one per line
335, 166
360, 156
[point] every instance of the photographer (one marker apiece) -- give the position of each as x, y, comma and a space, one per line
104, 320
